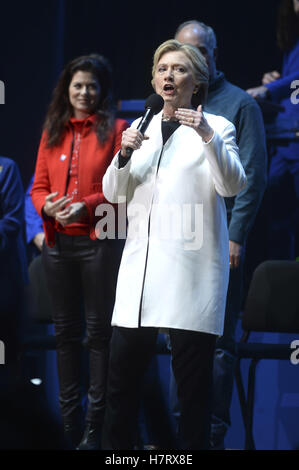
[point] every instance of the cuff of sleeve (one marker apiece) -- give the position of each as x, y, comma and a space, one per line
46, 218
209, 141
271, 91
122, 161
91, 202
236, 236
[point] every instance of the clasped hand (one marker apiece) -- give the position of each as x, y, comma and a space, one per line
64, 215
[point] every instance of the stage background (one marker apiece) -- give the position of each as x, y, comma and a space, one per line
38, 38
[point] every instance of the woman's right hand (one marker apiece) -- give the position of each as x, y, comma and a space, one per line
38, 240
50, 208
131, 138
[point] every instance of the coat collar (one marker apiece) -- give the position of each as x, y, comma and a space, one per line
82, 125
89, 120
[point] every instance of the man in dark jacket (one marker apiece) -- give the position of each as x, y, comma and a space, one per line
237, 106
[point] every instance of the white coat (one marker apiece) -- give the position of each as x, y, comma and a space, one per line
175, 265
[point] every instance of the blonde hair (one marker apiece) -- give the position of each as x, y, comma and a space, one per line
200, 69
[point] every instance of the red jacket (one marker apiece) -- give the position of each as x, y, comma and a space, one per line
52, 170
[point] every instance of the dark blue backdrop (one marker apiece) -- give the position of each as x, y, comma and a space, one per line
38, 38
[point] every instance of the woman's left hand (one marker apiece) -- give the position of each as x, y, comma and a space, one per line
196, 120
72, 213
258, 92
234, 254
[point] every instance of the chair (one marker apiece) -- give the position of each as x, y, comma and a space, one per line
272, 305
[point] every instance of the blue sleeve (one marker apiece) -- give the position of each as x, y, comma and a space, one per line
281, 88
12, 203
34, 223
253, 155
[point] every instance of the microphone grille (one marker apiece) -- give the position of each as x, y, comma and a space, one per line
155, 102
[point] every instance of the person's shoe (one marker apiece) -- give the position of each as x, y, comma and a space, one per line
91, 438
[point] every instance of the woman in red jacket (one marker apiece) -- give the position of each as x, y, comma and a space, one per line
79, 140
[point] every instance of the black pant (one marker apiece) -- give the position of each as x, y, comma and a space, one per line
192, 362
79, 268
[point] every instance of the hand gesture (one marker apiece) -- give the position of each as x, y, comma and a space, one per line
270, 77
196, 120
50, 208
258, 92
72, 213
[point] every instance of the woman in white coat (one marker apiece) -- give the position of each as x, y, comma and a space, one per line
175, 265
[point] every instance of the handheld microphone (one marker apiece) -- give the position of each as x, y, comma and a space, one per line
153, 105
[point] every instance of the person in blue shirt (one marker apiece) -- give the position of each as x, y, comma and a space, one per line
13, 260
34, 225
283, 182
228, 100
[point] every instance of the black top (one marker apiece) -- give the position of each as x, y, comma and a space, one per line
168, 128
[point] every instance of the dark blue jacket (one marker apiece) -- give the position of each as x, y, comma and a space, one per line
13, 260
34, 223
242, 110
281, 92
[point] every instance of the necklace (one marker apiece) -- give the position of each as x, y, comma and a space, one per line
169, 118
